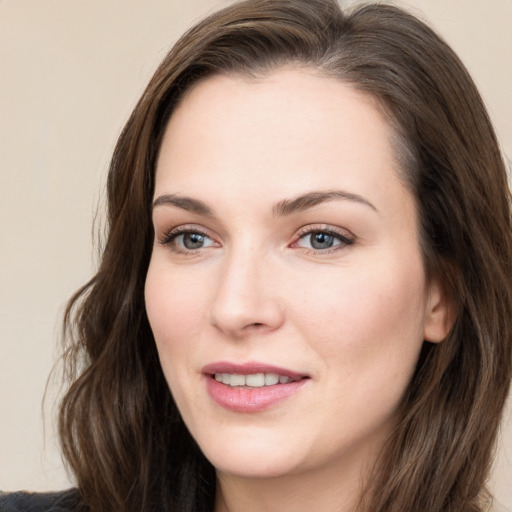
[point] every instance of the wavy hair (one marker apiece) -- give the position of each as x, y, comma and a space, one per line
121, 432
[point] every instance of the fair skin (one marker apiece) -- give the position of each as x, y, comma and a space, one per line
284, 238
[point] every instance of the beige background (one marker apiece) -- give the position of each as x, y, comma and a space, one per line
70, 72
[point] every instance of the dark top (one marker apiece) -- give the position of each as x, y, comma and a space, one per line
62, 501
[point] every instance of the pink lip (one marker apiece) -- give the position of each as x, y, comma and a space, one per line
250, 399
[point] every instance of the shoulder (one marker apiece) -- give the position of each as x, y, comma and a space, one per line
63, 501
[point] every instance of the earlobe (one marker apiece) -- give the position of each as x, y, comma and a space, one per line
440, 313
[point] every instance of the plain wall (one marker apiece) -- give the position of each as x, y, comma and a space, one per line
70, 72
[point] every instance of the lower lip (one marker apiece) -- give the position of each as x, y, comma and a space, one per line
241, 399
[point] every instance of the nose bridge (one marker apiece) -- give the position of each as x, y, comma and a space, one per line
246, 294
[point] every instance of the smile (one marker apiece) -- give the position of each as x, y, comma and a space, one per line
253, 380
251, 387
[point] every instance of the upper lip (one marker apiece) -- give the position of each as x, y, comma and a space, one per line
249, 368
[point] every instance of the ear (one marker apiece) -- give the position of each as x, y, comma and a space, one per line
439, 315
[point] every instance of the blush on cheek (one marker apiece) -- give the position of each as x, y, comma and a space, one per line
170, 305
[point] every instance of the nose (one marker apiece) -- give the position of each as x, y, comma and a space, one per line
246, 298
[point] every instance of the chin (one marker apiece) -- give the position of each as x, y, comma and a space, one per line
252, 458
255, 467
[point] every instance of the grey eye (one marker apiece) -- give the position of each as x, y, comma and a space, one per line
321, 240
192, 240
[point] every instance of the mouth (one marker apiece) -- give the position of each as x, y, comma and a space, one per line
251, 387
251, 374
252, 380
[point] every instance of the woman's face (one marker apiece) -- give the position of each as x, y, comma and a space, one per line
286, 290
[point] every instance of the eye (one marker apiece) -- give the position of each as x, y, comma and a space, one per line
323, 240
193, 240
185, 240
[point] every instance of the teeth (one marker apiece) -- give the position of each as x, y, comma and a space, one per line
237, 380
271, 379
253, 380
256, 380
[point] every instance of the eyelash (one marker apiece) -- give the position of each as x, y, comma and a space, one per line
170, 236
344, 238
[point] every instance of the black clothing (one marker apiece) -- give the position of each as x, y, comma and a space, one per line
62, 501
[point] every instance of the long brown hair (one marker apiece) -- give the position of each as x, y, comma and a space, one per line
121, 432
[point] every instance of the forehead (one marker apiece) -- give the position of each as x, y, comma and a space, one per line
284, 133
276, 100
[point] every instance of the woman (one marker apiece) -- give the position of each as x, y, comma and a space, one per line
304, 298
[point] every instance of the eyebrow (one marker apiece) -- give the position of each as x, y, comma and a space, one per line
281, 209
185, 203
305, 201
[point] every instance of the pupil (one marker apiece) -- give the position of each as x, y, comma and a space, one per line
321, 241
193, 240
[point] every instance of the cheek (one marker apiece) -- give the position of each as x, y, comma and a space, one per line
176, 306
368, 331
366, 319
